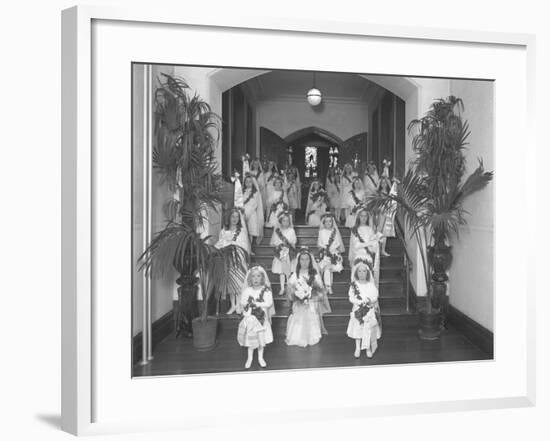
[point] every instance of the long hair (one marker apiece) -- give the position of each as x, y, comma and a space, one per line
227, 220
357, 219
369, 271
310, 270
253, 187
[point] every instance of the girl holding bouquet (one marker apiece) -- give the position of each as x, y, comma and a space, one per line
354, 201
364, 243
234, 233
284, 241
331, 248
333, 191
386, 219
308, 303
277, 200
257, 304
294, 186
316, 204
269, 176
253, 209
257, 173
365, 325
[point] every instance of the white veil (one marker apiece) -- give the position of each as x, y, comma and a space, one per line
247, 284
278, 225
359, 262
260, 205
338, 237
309, 201
311, 256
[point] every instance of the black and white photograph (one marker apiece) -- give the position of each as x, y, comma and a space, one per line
287, 219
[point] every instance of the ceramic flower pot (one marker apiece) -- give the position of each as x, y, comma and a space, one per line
429, 324
204, 333
440, 258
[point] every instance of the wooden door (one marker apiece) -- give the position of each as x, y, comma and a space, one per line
273, 147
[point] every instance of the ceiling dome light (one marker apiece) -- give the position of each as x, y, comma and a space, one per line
314, 97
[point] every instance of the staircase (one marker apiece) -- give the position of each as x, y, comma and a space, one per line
391, 286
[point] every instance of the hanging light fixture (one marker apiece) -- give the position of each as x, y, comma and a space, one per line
314, 96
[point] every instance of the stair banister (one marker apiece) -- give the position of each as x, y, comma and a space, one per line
407, 263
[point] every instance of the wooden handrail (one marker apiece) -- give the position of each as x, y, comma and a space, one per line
400, 233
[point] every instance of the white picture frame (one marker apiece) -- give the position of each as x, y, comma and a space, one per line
81, 383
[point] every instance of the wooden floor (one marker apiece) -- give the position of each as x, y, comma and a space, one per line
398, 345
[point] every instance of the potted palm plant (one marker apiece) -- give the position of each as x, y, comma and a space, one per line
431, 198
186, 136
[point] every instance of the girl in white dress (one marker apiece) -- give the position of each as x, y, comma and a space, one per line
316, 204
269, 177
371, 179
234, 233
333, 191
284, 241
346, 183
354, 200
257, 173
253, 209
331, 247
308, 303
256, 301
294, 188
386, 219
277, 201
364, 243
365, 325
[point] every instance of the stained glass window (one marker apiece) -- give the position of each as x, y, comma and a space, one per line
311, 161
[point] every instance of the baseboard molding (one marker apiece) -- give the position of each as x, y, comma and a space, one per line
476, 333
161, 329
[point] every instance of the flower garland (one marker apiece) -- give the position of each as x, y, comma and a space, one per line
325, 252
364, 307
355, 232
237, 232
285, 244
346, 176
251, 195
279, 201
255, 310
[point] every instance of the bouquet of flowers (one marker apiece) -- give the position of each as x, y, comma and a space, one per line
282, 251
256, 311
320, 195
303, 291
332, 258
362, 311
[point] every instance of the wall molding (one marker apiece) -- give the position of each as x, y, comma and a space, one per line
302, 98
478, 334
161, 328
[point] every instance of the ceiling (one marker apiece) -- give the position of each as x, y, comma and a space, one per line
291, 84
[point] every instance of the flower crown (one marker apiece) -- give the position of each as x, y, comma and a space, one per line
362, 261
283, 214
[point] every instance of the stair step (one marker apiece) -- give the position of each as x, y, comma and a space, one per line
341, 305
345, 275
387, 263
386, 289
334, 322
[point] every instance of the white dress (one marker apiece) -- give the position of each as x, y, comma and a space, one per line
315, 210
354, 199
305, 323
277, 200
335, 247
364, 243
283, 265
333, 192
260, 179
253, 332
346, 185
370, 330
233, 237
253, 212
371, 183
